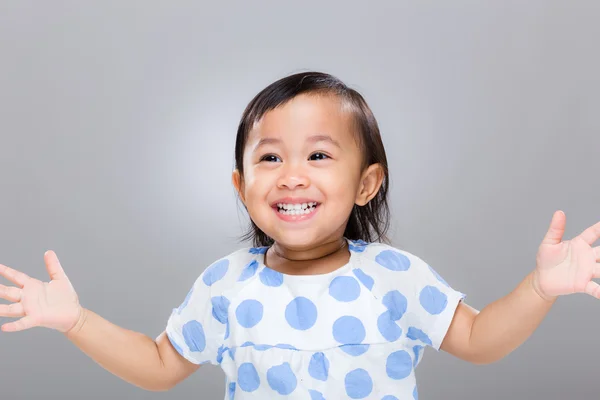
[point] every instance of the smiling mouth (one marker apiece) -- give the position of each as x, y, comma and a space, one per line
297, 209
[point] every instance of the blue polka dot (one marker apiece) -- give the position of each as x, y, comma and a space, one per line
318, 367
396, 303
248, 271
231, 390
270, 277
417, 334
398, 365
285, 346
246, 344
220, 306
316, 395
185, 301
226, 329
220, 352
176, 346
417, 350
348, 330
389, 397
215, 272
281, 378
355, 350
358, 246
193, 334
249, 313
248, 379
301, 313
258, 250
344, 288
262, 347
388, 328
358, 384
393, 260
416, 393
432, 300
364, 278
232, 353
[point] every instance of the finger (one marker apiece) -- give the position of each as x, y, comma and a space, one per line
19, 325
597, 253
12, 310
53, 266
10, 293
556, 229
597, 271
16, 277
591, 234
593, 289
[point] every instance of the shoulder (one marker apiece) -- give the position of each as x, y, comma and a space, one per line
385, 255
229, 269
421, 302
386, 262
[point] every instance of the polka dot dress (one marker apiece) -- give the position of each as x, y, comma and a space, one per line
355, 333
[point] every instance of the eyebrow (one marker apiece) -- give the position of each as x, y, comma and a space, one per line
324, 138
311, 139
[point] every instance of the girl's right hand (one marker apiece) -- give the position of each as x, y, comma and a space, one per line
53, 304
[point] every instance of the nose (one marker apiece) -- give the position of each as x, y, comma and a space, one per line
292, 178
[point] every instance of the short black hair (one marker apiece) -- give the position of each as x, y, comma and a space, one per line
369, 222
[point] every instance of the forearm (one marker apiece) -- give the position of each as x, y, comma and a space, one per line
129, 355
505, 324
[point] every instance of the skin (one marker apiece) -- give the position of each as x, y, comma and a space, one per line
291, 163
306, 149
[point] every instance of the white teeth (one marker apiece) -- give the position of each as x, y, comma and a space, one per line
296, 209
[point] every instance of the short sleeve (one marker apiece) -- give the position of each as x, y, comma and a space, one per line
436, 303
197, 328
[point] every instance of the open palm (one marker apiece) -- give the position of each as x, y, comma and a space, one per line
51, 304
566, 267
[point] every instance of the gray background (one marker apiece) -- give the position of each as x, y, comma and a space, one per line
117, 127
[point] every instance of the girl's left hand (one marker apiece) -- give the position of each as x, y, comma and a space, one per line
566, 267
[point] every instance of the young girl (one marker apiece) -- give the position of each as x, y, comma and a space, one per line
320, 307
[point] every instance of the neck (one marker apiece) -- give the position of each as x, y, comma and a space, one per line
316, 253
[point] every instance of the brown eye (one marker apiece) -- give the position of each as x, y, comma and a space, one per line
270, 158
318, 156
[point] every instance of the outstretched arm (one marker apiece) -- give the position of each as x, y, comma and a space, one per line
134, 357
563, 267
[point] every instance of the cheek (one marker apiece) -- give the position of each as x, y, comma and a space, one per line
256, 188
339, 184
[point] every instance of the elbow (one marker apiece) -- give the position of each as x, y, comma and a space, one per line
484, 358
154, 384
157, 386
482, 361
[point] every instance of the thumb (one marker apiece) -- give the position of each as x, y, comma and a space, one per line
557, 228
53, 266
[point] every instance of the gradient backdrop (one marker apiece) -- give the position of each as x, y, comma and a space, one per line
117, 128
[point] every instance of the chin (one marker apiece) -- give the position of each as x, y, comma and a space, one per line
303, 235
295, 241
301, 240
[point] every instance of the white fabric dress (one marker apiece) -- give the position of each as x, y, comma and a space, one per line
355, 333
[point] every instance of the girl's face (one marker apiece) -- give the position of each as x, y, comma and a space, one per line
302, 172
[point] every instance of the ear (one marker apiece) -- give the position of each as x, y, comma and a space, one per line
238, 184
370, 182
